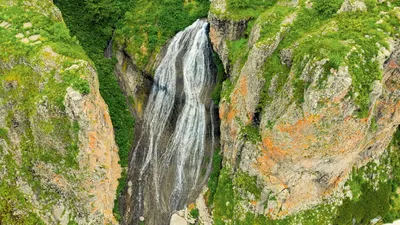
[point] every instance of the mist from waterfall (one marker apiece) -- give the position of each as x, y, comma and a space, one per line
175, 141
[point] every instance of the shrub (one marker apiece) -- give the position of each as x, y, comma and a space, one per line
195, 213
239, 3
82, 86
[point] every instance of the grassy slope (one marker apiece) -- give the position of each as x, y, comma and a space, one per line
21, 114
358, 29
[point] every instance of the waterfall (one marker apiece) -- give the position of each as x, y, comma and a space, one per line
175, 141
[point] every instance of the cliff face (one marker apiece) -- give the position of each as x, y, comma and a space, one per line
311, 104
308, 114
59, 161
310, 97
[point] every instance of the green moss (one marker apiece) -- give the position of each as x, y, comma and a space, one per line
273, 67
11, 200
247, 183
214, 176
227, 89
371, 204
3, 133
251, 133
93, 31
91, 35
224, 200
318, 33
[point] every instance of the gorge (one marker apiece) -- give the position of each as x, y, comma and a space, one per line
170, 162
225, 112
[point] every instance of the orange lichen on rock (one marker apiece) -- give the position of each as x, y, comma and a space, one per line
92, 140
300, 125
191, 206
393, 65
243, 86
231, 115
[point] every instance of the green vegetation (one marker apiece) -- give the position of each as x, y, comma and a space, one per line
120, 189
374, 189
227, 88
143, 27
214, 176
251, 133
93, 36
247, 183
236, 48
194, 213
51, 140
147, 25
3, 133
11, 200
93, 31
317, 33
356, 38
273, 67
82, 86
245, 9
221, 76
224, 199
229, 193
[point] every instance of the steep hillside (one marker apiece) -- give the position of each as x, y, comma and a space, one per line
58, 157
313, 93
308, 94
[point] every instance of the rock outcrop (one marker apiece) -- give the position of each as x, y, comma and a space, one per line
222, 31
312, 129
58, 157
135, 82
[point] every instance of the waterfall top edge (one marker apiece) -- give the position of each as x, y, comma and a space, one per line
198, 23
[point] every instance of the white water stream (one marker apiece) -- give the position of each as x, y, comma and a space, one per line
172, 157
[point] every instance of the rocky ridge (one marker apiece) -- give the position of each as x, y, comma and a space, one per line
59, 159
302, 145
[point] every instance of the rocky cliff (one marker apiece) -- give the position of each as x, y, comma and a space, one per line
312, 94
309, 109
58, 157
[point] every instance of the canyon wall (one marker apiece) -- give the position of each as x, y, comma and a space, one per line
309, 98
59, 160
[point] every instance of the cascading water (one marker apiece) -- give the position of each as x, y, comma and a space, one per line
175, 141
